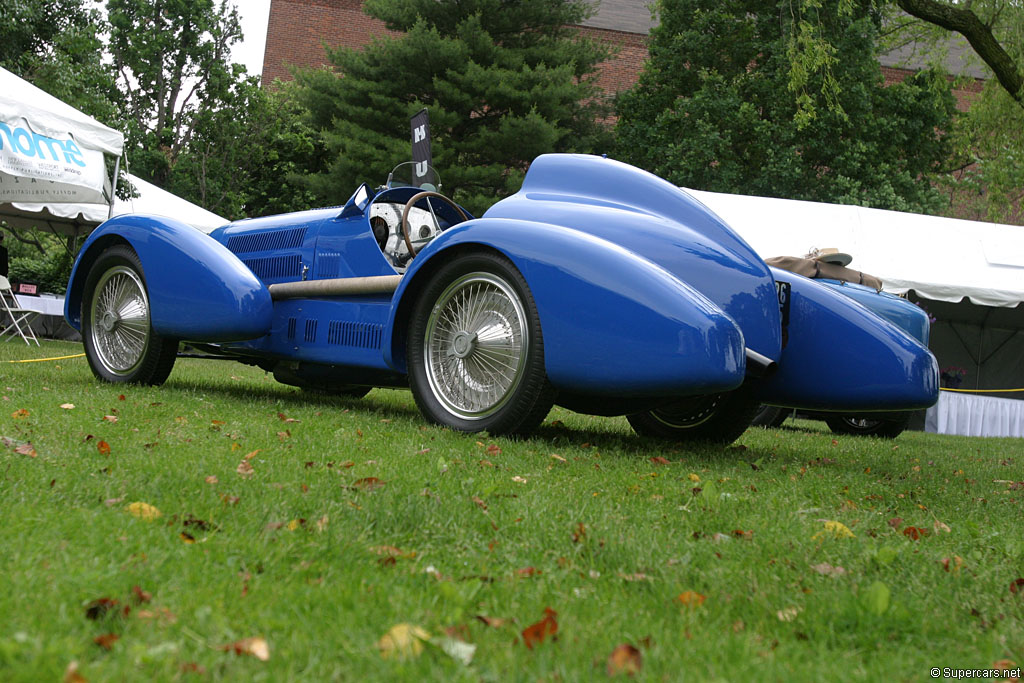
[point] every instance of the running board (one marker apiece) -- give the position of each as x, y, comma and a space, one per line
341, 286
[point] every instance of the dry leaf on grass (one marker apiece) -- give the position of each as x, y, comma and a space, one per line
788, 613
402, 641
535, 634
834, 530
107, 640
254, 647
624, 659
143, 511
828, 570
691, 599
103, 447
245, 469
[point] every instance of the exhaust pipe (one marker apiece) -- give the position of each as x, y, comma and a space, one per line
759, 366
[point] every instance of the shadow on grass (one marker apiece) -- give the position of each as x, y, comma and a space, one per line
610, 436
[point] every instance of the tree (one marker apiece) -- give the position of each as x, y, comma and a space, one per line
728, 102
56, 45
172, 59
503, 82
242, 155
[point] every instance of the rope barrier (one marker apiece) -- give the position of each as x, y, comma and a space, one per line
43, 360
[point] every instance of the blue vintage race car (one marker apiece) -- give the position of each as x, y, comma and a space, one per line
598, 286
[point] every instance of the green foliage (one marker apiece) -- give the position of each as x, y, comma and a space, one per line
172, 61
48, 263
242, 154
729, 101
503, 82
55, 44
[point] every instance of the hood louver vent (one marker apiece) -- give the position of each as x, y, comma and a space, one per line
267, 240
275, 266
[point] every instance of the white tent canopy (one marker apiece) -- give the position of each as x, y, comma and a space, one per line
942, 259
52, 168
49, 151
151, 200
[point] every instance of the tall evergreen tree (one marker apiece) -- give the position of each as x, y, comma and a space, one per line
728, 102
503, 82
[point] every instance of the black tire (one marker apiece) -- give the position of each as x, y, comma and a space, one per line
458, 381
120, 344
713, 418
887, 429
770, 416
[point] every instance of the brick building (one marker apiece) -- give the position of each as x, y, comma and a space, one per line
299, 30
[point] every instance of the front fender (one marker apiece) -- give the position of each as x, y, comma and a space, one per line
842, 357
198, 290
614, 323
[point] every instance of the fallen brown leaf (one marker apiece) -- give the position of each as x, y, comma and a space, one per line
245, 469
368, 484
691, 599
103, 447
828, 570
624, 659
71, 674
255, 647
107, 640
535, 634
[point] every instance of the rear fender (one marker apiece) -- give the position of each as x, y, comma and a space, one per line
842, 357
198, 290
614, 323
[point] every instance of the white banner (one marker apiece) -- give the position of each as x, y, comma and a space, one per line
39, 168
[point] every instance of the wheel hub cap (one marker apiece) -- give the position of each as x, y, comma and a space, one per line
108, 321
464, 344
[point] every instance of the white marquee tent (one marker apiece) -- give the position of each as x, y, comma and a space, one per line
969, 275
53, 171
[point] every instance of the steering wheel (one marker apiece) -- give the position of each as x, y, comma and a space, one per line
408, 206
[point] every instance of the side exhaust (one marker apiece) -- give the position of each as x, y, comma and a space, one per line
760, 366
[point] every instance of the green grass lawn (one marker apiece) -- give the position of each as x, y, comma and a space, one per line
315, 525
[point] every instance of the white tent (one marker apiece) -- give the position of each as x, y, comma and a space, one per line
53, 171
969, 275
50, 154
151, 200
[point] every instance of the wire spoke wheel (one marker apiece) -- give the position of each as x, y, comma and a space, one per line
475, 345
117, 322
120, 316
475, 351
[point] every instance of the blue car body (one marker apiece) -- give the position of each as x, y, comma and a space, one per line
643, 296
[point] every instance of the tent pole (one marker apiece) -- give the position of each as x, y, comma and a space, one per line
113, 187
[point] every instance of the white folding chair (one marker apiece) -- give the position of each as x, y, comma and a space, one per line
17, 320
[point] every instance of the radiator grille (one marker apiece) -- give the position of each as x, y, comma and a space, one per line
268, 240
362, 335
291, 328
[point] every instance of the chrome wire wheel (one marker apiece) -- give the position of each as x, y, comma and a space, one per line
119, 316
475, 345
